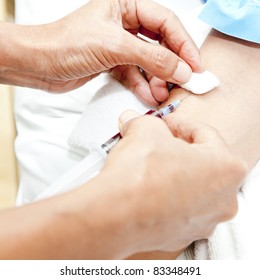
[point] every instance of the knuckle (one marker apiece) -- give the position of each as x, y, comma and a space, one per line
232, 169
241, 168
173, 16
161, 58
212, 129
122, 75
229, 211
170, 19
237, 168
208, 232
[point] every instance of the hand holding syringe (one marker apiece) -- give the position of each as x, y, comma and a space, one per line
92, 164
89, 167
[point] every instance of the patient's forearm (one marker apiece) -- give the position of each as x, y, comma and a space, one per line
234, 107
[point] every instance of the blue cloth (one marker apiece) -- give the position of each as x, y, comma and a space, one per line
238, 18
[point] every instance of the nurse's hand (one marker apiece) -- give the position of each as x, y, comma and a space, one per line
102, 35
180, 180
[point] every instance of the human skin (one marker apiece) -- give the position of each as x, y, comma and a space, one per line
233, 108
125, 209
65, 54
73, 222
52, 212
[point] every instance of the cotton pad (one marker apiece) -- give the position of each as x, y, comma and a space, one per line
201, 83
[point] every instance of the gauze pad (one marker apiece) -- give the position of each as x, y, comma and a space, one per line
201, 83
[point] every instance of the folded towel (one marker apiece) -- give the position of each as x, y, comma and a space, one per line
99, 121
238, 238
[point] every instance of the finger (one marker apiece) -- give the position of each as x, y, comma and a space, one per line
159, 89
145, 126
154, 59
194, 131
162, 21
131, 78
124, 118
186, 54
60, 86
149, 34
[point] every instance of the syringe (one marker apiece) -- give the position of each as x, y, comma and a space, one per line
160, 113
92, 164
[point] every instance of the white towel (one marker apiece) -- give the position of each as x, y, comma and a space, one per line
99, 121
238, 238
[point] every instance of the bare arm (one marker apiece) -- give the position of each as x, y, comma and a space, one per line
60, 56
77, 225
233, 108
125, 209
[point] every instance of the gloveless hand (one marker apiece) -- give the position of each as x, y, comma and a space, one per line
100, 36
180, 181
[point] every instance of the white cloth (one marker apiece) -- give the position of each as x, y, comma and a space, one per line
99, 121
238, 238
45, 121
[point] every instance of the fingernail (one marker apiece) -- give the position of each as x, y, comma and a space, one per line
182, 73
127, 116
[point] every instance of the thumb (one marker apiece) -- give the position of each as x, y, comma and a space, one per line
156, 60
124, 119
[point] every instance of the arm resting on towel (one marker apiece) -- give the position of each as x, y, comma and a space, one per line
233, 108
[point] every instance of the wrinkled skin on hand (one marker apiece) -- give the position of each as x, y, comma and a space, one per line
181, 180
102, 36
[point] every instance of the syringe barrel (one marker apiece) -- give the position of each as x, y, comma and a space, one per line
109, 144
164, 111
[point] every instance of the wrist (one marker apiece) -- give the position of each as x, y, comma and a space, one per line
25, 57
106, 212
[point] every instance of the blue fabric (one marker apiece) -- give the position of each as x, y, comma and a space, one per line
238, 18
